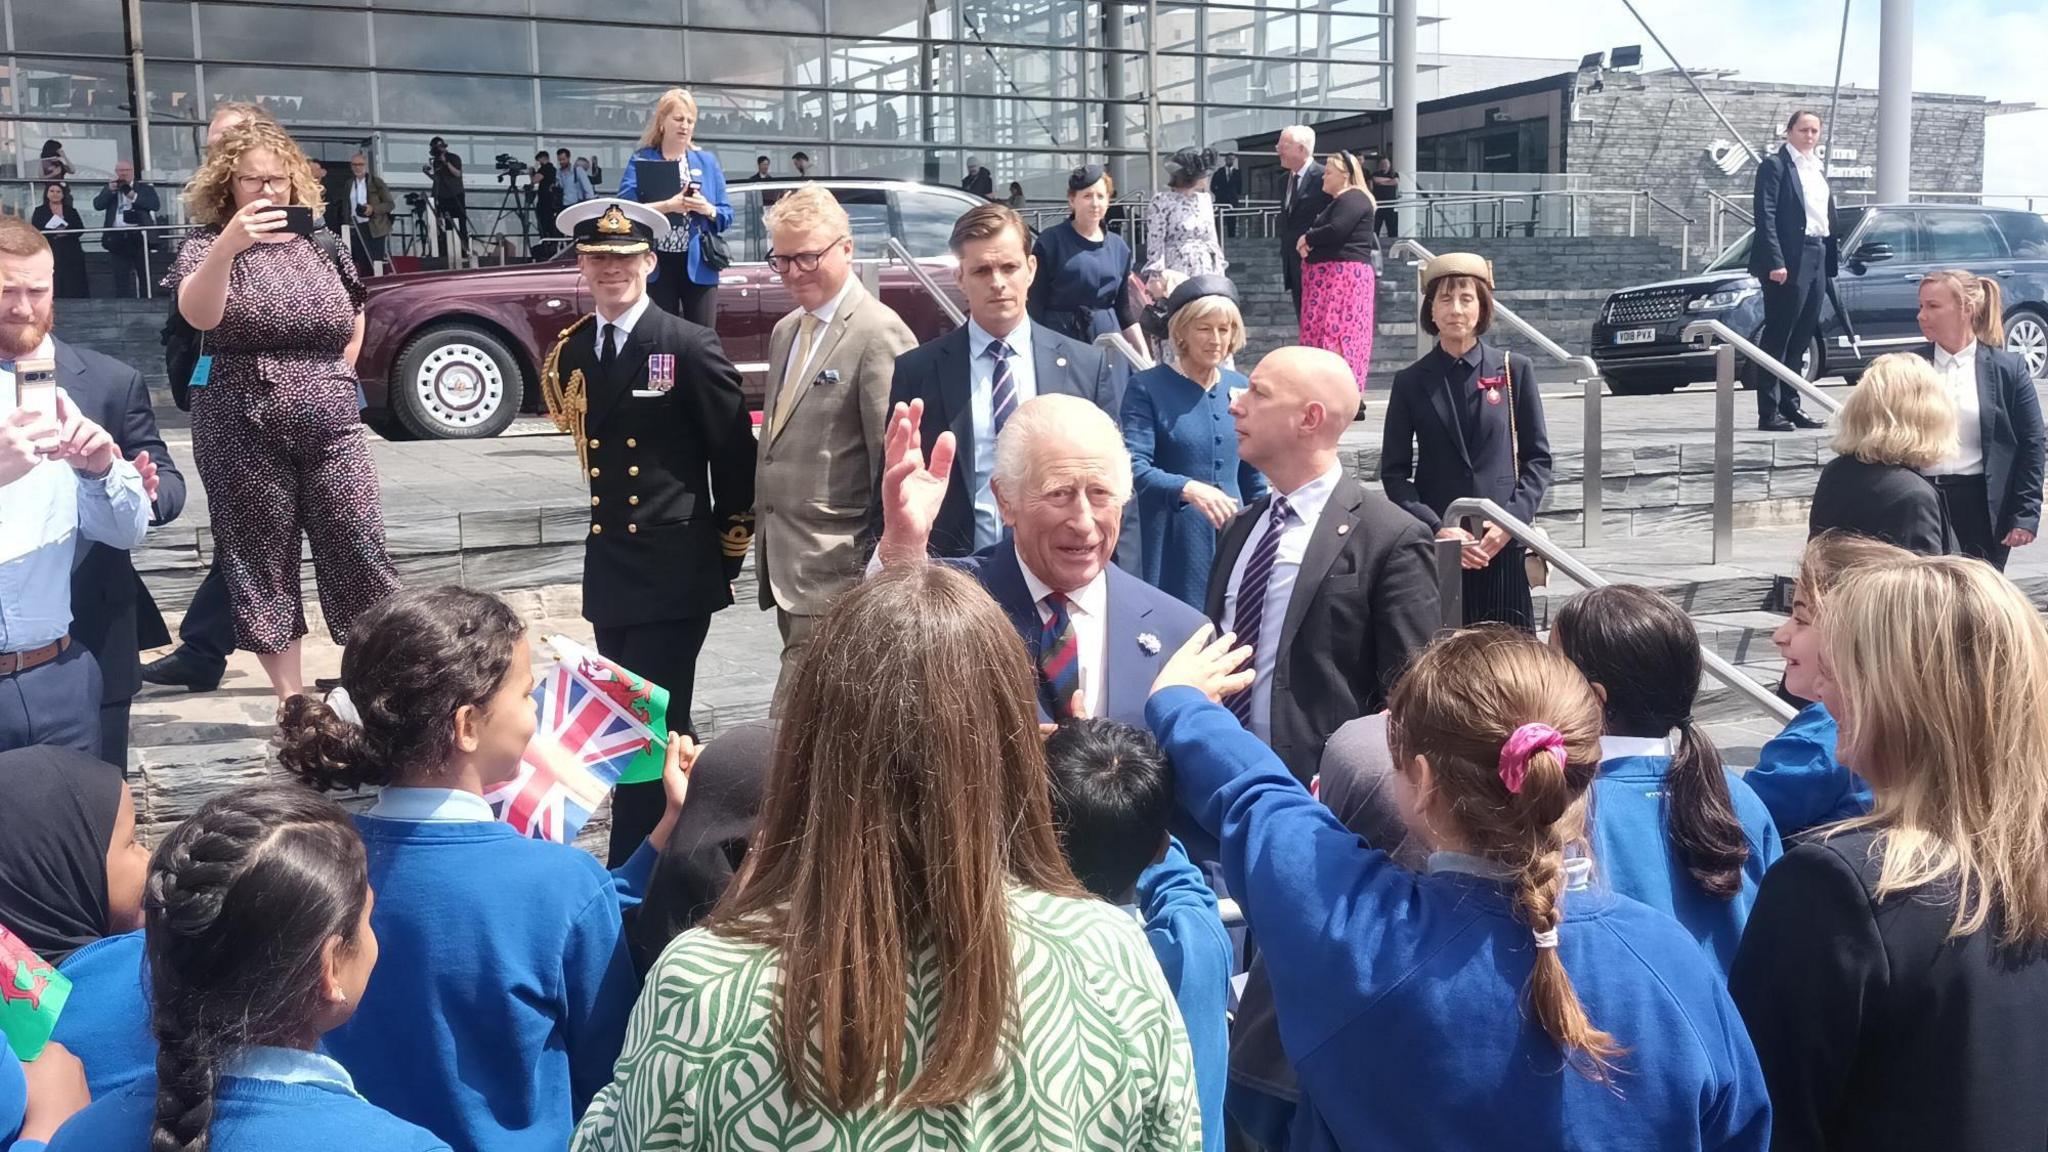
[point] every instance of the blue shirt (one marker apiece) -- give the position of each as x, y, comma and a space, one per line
106, 1022
575, 185
1798, 778
1401, 997
988, 520
1186, 933
702, 167
1634, 855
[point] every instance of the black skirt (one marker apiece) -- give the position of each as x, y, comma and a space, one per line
1499, 593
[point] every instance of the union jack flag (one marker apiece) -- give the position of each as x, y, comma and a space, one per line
582, 743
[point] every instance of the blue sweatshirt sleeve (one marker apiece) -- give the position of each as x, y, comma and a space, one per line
630, 879
1800, 781
598, 989
1194, 951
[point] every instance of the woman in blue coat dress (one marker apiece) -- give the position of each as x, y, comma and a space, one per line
1082, 289
1177, 424
685, 283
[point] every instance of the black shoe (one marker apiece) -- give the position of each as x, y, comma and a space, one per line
1802, 420
1361, 410
326, 684
186, 669
1775, 424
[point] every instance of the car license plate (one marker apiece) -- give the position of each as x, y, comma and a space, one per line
1636, 336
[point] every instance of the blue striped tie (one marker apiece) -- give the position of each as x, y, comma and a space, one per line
1003, 390
1251, 598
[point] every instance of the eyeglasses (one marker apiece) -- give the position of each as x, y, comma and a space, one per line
803, 261
259, 183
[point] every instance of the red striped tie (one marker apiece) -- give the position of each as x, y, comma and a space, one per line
1059, 657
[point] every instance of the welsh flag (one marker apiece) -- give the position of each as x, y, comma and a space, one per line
599, 725
32, 993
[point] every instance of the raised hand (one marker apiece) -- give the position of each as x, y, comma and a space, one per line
147, 468
1213, 665
26, 440
912, 490
675, 785
81, 443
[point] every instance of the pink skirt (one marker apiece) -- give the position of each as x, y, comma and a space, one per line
1336, 312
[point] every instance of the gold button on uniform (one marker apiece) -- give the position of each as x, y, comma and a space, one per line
632, 443
633, 470
593, 473
593, 441
633, 500
593, 501
597, 529
632, 528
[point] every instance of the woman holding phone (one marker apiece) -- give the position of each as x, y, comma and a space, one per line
685, 280
275, 429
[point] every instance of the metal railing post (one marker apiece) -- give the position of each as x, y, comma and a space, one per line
1450, 582
1724, 453
1632, 217
1592, 497
925, 281
1685, 247
1422, 338
148, 281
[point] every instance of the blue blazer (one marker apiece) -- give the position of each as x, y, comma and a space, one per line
1425, 462
2015, 445
1135, 610
705, 169
1780, 205
940, 372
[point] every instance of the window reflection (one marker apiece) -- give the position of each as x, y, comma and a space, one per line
68, 26
283, 35
778, 15
455, 101
595, 50
294, 95
450, 44
167, 29
72, 89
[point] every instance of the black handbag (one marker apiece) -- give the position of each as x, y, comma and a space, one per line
712, 250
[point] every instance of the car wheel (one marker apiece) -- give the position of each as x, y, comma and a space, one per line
2026, 336
456, 383
1641, 385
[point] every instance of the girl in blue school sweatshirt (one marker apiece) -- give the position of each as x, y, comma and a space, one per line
1497, 999
1670, 826
259, 942
502, 998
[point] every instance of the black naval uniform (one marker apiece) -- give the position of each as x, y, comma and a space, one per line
671, 513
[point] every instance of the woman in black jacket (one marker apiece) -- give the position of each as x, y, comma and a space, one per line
1466, 420
58, 220
1898, 420
1337, 284
1894, 972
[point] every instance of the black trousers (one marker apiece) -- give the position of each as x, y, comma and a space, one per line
664, 652
366, 249
673, 291
131, 280
1968, 503
114, 733
208, 629
1791, 316
1387, 221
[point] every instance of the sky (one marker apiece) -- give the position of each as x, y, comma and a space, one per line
1795, 41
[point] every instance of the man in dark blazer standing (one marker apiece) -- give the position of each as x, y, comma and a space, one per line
974, 378
1793, 257
663, 435
127, 203
1227, 186
1302, 199
1330, 584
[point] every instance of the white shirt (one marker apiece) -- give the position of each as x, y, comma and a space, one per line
359, 193
1088, 610
988, 523
824, 312
1306, 506
1959, 376
55, 222
624, 324
1623, 747
1813, 188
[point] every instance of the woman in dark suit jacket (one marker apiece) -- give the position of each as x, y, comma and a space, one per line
1899, 419
58, 220
1466, 420
1992, 485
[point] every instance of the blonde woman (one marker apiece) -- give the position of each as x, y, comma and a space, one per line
1183, 441
685, 281
1991, 484
1337, 284
275, 429
1898, 420
1894, 971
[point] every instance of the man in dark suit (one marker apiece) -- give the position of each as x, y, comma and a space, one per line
978, 180
974, 378
1227, 185
124, 203
663, 434
1302, 199
1793, 257
1330, 584
1097, 635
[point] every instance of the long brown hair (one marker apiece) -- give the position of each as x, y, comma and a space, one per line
1465, 696
909, 794
1982, 300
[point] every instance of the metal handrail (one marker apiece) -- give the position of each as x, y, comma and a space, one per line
1591, 385
1698, 331
1563, 561
1115, 342
925, 281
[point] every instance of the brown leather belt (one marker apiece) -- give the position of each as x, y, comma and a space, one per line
13, 662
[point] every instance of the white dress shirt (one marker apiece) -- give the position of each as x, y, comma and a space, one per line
1624, 747
1088, 610
1959, 376
1813, 188
358, 196
1306, 505
624, 324
824, 312
988, 522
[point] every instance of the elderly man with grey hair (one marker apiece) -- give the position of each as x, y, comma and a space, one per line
1097, 635
1302, 199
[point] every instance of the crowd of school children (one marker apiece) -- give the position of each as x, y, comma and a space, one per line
938, 937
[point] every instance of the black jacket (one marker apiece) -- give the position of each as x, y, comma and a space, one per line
710, 839
1363, 604
1299, 217
1227, 185
1890, 502
671, 474
2015, 444
979, 182
1874, 1029
109, 605
1343, 231
1425, 462
1781, 220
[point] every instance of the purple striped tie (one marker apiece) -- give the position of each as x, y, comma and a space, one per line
1251, 598
1003, 390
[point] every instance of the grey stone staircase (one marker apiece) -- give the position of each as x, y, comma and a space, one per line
124, 329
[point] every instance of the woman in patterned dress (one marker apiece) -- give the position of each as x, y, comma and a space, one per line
1336, 270
905, 914
276, 431
1180, 223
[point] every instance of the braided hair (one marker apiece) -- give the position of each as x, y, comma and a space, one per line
241, 903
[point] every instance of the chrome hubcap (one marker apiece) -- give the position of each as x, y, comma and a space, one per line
2027, 337
459, 385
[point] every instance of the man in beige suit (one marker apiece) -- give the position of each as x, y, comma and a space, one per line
830, 363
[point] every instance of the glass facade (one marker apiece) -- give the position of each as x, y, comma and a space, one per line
904, 88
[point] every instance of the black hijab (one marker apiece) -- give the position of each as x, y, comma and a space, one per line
57, 813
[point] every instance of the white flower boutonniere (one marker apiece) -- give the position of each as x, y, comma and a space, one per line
1149, 643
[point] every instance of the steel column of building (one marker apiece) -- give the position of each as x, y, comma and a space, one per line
1894, 101
1404, 25
1116, 136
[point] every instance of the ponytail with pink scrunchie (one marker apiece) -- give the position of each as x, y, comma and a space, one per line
1526, 741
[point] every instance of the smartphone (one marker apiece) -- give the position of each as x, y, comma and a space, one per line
298, 219
35, 383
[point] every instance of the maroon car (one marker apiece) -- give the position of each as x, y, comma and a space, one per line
457, 354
